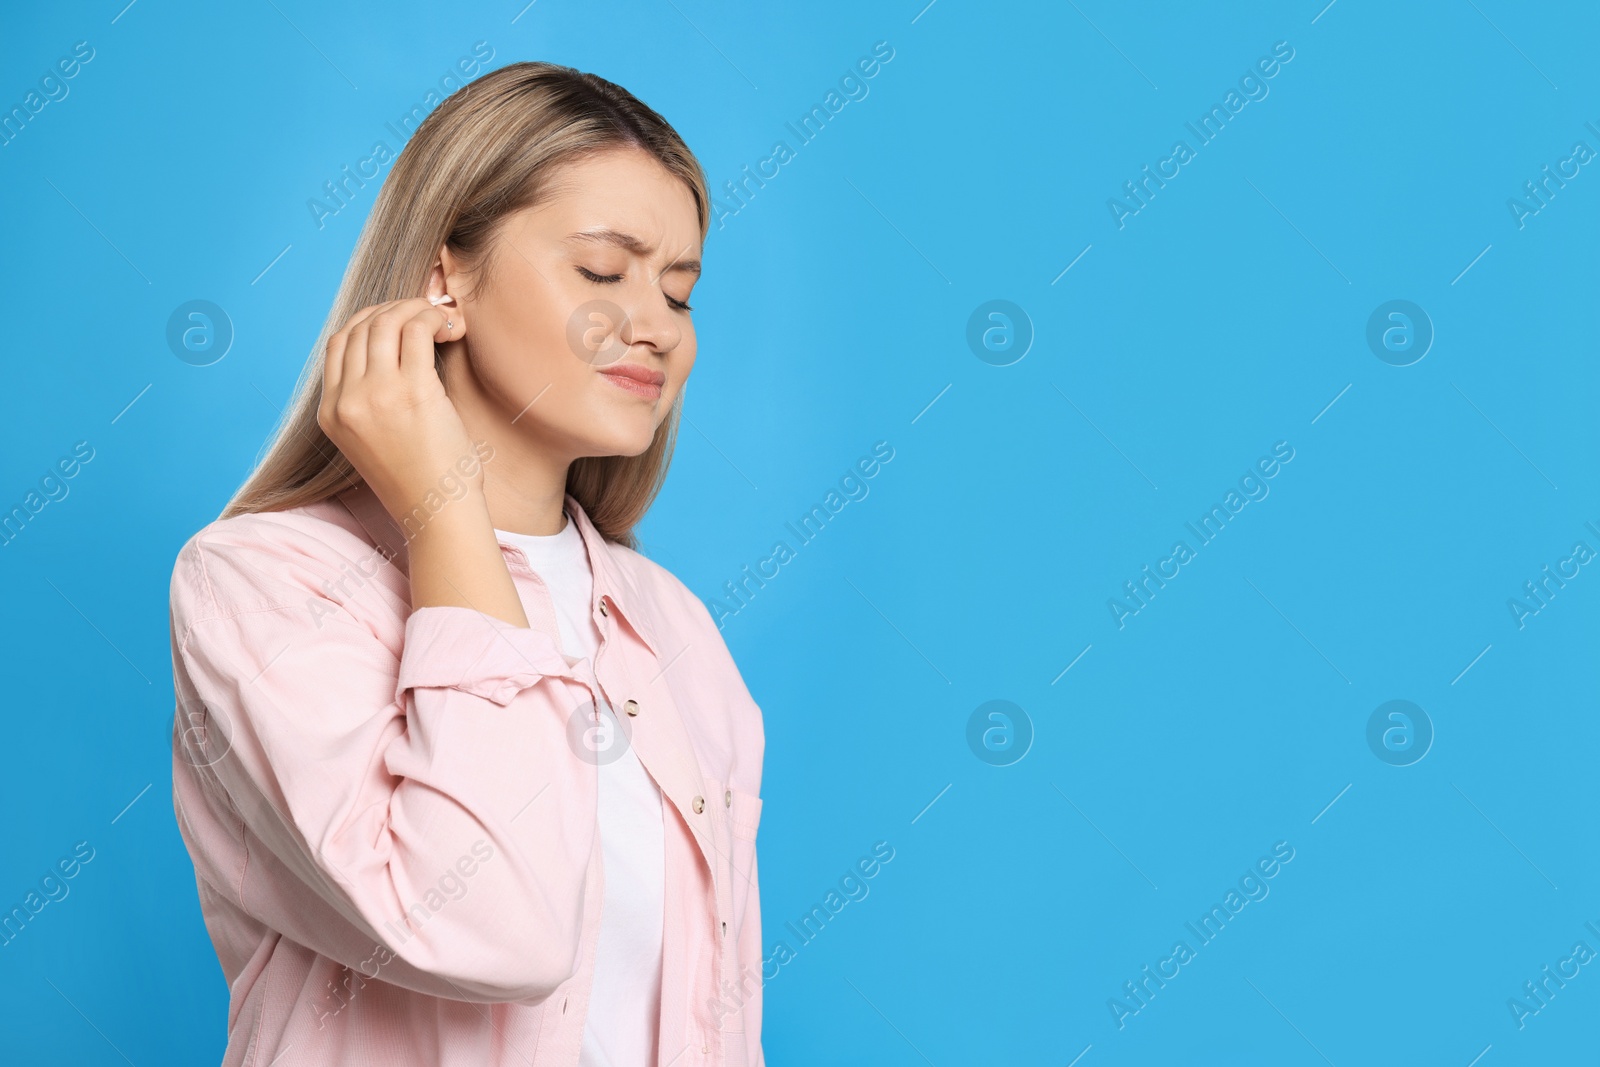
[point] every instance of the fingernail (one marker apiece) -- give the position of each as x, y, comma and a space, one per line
445, 299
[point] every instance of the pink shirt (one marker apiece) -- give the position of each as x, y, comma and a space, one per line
625, 995
392, 817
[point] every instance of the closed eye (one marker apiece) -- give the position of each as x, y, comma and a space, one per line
611, 279
606, 279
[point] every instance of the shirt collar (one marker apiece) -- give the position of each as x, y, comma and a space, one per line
611, 579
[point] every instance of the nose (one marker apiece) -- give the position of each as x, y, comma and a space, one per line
648, 320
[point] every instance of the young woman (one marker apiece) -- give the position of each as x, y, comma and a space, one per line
465, 778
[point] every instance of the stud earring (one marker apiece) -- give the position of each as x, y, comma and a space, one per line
449, 324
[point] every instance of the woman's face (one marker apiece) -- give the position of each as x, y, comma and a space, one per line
586, 286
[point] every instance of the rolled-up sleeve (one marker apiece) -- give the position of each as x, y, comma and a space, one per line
423, 792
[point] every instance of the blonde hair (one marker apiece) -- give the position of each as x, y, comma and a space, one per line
487, 151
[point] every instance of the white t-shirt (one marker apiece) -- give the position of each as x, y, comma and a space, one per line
625, 1004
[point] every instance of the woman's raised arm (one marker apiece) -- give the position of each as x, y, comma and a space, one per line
414, 802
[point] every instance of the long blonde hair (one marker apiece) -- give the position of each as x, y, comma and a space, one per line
488, 150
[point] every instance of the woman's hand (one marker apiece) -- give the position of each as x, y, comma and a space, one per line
384, 406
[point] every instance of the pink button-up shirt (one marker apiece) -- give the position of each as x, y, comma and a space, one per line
392, 813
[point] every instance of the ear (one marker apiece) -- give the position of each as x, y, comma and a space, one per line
442, 281
446, 270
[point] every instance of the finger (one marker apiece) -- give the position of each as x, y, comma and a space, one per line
368, 313
418, 337
333, 361
355, 348
351, 342
383, 335
333, 364
363, 316
373, 357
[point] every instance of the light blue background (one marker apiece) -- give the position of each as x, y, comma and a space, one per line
1226, 315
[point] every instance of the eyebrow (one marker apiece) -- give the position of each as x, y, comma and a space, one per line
630, 243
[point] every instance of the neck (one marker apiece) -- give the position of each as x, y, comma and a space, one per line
528, 505
524, 481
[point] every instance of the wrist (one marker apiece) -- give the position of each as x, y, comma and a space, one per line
461, 518
420, 486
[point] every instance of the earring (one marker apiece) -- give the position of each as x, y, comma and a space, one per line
449, 324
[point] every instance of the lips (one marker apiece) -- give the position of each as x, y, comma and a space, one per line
637, 373
641, 381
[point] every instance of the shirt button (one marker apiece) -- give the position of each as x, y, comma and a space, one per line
631, 707
603, 609
724, 929
699, 805
727, 799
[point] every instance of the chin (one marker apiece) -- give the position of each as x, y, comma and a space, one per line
624, 444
